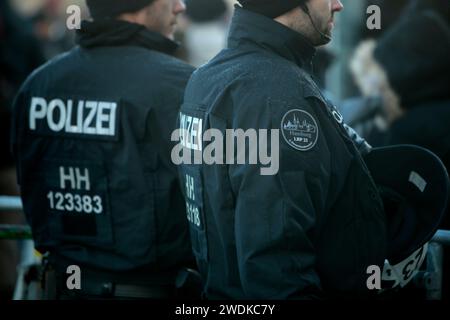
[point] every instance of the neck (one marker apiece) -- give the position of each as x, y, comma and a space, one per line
139, 17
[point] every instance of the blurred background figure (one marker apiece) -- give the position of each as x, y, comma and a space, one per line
206, 29
48, 19
414, 56
407, 69
363, 109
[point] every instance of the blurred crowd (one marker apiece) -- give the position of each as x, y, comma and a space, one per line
401, 71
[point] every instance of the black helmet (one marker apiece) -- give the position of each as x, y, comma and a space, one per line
413, 184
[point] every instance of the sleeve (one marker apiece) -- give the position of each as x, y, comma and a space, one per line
277, 215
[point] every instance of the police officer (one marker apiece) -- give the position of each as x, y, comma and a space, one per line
92, 146
312, 228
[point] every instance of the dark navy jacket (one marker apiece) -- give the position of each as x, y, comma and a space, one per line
92, 144
315, 226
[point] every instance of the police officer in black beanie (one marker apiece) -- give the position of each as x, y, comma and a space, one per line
92, 145
310, 222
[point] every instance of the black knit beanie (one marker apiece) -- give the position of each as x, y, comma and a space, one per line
271, 8
113, 8
205, 10
415, 55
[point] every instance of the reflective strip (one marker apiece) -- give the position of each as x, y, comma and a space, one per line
418, 181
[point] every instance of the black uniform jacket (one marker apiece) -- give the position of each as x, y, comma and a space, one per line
318, 223
92, 144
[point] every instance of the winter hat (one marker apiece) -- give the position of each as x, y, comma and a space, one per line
414, 54
271, 8
113, 8
205, 10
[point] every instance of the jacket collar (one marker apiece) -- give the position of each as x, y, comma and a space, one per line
111, 32
257, 30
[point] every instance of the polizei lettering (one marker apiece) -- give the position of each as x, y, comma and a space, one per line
191, 132
249, 146
89, 118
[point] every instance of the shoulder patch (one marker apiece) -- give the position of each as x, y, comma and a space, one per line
300, 129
